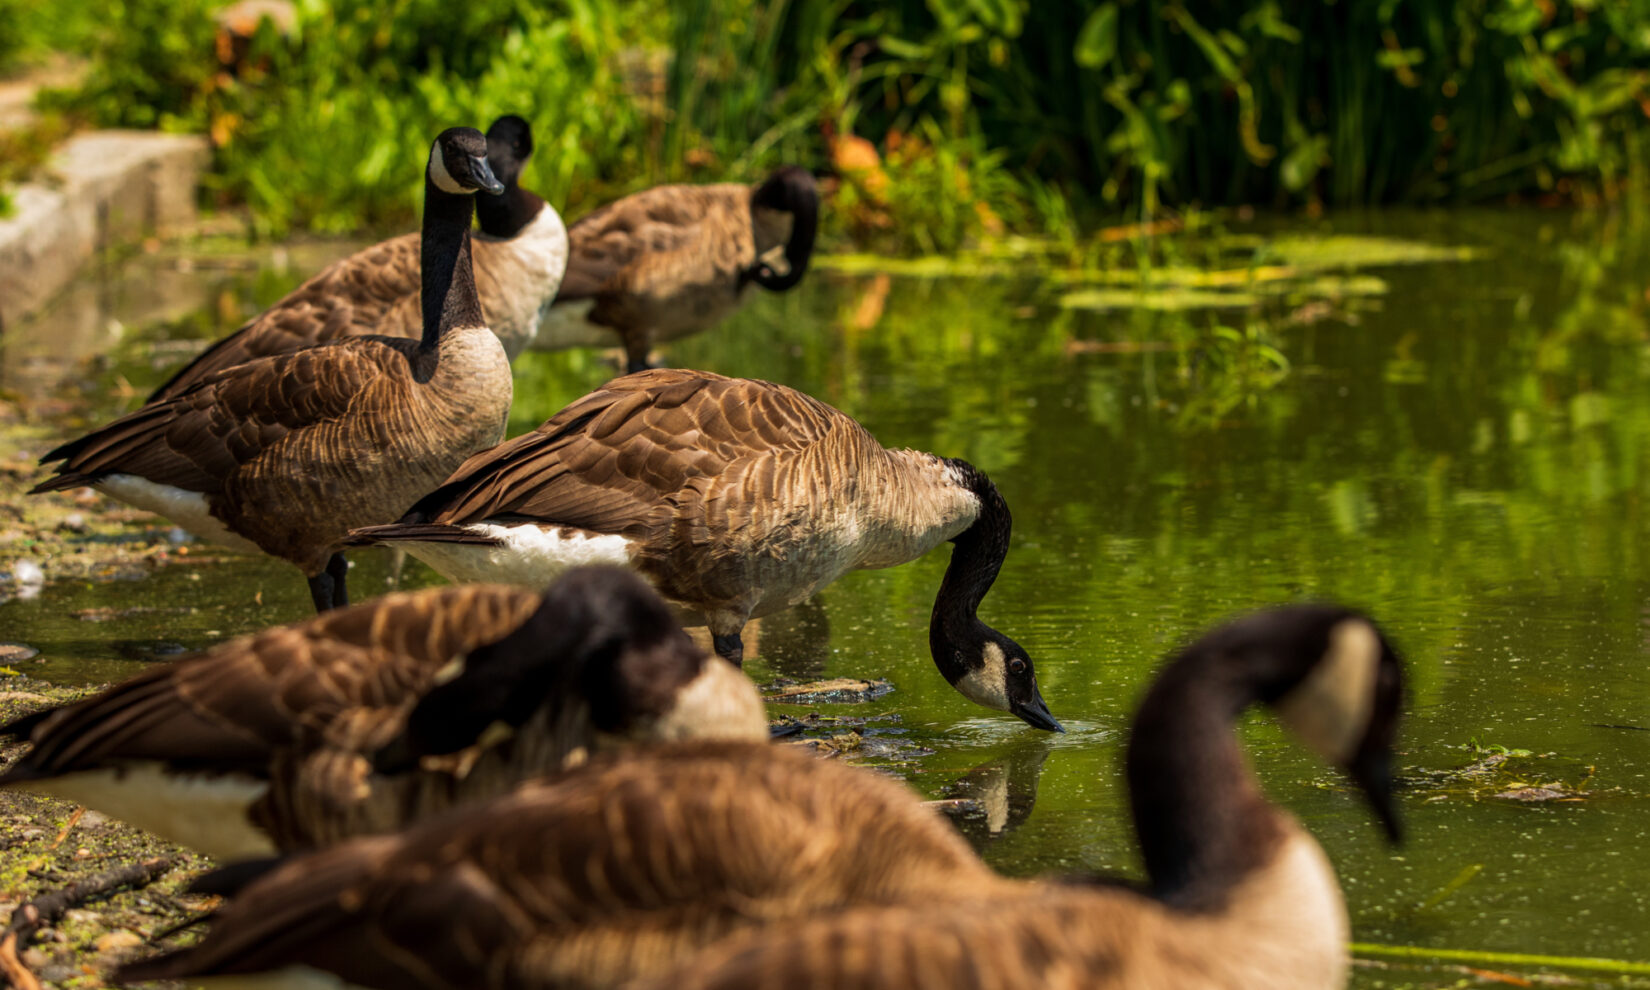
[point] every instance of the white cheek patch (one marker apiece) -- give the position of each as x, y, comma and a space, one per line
987, 684
721, 703
1330, 709
439, 175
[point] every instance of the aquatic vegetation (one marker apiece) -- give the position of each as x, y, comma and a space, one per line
1511, 775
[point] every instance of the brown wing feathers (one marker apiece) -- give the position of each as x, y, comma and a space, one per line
361, 294
309, 917
237, 704
197, 440
622, 867
621, 459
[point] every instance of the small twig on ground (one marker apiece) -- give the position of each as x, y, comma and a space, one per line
12, 968
74, 820
36, 914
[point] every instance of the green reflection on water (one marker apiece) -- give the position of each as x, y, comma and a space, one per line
1463, 454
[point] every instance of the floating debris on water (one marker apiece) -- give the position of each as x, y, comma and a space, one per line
835, 691
1500, 773
17, 652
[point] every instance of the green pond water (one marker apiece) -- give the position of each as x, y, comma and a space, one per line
1456, 440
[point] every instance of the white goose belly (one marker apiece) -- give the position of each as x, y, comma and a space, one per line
527, 555
186, 508
206, 812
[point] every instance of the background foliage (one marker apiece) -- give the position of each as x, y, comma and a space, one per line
946, 122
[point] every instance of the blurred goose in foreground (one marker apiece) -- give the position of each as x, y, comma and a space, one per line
286, 454
736, 498
365, 719
1239, 894
620, 868
519, 257
806, 869
674, 260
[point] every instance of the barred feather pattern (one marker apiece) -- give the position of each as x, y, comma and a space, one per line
376, 292
618, 869
362, 426
740, 497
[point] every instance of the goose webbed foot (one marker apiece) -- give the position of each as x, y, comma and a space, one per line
730, 648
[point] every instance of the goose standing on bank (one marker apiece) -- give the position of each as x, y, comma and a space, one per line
736, 498
287, 453
627, 868
518, 257
674, 260
305, 734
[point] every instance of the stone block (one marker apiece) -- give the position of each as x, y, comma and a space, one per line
142, 181
44, 245
103, 189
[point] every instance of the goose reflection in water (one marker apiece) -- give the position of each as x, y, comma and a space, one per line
996, 797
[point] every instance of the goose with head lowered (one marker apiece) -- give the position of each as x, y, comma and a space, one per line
287, 453
519, 257
788, 867
674, 260
1238, 896
736, 498
365, 719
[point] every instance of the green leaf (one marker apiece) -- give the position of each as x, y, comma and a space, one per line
1300, 166
1097, 41
900, 48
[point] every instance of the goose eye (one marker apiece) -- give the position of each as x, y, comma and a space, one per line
1017, 666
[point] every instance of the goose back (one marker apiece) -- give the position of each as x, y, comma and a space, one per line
377, 716
374, 421
293, 708
667, 258
730, 494
614, 870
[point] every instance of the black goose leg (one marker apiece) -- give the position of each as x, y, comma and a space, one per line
730, 648
338, 571
320, 591
636, 345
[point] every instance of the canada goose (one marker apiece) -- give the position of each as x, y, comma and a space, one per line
362, 720
619, 868
736, 498
518, 257
623, 868
674, 260
1240, 896
287, 453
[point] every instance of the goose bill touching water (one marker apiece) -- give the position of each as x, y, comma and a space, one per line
736, 498
286, 454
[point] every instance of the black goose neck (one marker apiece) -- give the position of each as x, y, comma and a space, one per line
507, 214
448, 280
977, 556
1201, 819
